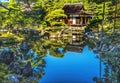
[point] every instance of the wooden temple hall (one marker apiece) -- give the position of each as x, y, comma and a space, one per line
76, 14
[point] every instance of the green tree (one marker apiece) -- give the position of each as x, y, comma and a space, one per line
53, 18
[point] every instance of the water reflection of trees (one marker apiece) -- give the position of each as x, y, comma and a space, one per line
108, 50
28, 63
53, 46
33, 48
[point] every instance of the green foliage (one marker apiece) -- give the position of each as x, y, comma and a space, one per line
98, 1
18, 16
4, 73
94, 23
54, 17
111, 58
47, 12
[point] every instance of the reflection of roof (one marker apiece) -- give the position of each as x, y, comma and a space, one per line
74, 48
74, 8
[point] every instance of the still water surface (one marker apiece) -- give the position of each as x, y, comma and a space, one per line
73, 67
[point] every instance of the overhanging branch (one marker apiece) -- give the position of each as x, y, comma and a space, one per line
1, 5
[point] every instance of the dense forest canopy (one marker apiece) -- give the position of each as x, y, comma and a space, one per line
29, 13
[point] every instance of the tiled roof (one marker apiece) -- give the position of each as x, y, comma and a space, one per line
73, 8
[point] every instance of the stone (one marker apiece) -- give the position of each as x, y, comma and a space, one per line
27, 70
15, 67
104, 47
15, 78
24, 48
7, 56
95, 50
110, 47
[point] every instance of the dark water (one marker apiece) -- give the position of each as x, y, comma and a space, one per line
73, 67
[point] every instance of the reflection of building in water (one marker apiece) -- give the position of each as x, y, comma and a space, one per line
73, 48
76, 45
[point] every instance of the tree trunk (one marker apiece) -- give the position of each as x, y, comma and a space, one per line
115, 16
103, 17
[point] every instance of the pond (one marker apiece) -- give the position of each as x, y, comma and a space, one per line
51, 61
73, 67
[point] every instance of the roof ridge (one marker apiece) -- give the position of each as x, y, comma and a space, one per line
73, 3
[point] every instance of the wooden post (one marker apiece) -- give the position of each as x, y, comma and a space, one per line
72, 18
81, 21
85, 20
